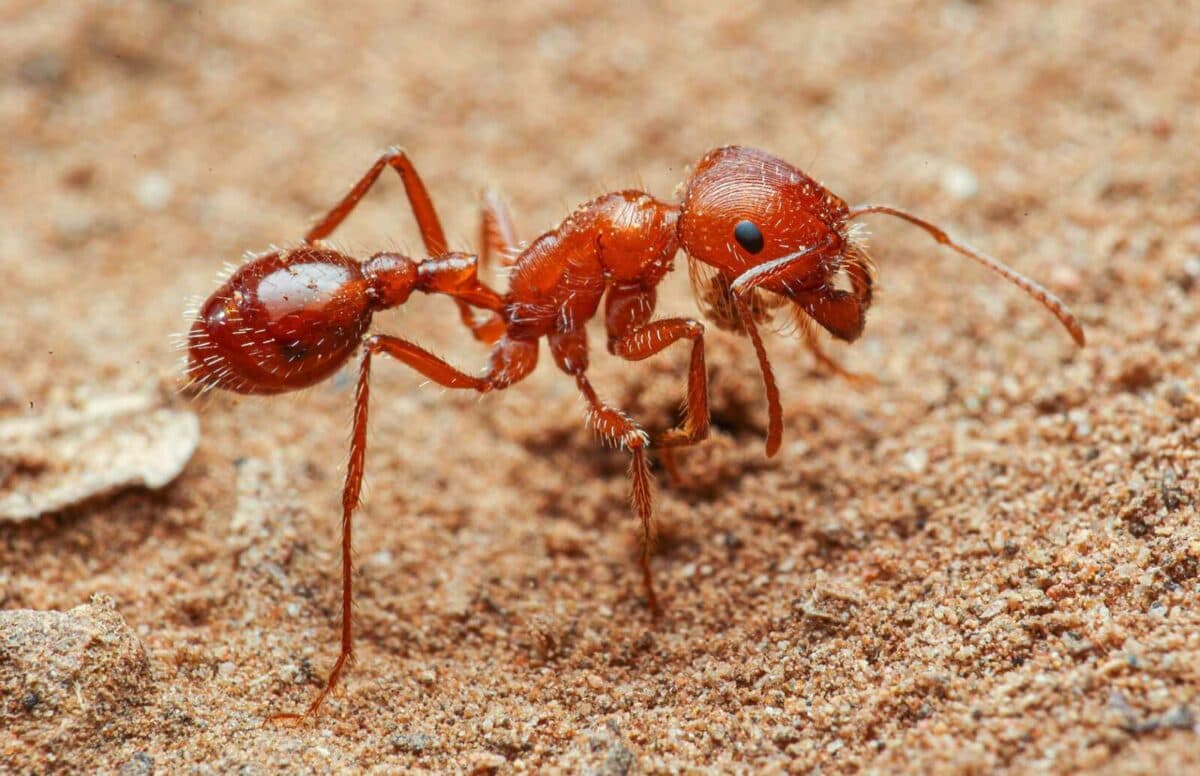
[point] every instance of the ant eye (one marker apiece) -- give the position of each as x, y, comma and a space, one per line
748, 236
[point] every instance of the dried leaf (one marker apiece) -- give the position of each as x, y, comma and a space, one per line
62, 457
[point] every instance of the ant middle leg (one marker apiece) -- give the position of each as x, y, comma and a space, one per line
633, 337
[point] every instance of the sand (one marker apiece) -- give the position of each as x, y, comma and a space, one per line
985, 563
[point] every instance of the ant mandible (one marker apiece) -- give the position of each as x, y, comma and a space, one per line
759, 234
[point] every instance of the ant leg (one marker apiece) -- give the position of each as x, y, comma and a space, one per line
811, 341
426, 363
860, 273
666, 456
351, 491
496, 234
435, 369
633, 337
419, 200
496, 231
615, 427
651, 339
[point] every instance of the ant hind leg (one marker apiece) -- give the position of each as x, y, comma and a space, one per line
418, 197
430, 226
351, 491
496, 231
443, 374
617, 428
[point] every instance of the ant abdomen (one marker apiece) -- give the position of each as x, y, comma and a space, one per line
281, 322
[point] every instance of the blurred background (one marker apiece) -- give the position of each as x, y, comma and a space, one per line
145, 144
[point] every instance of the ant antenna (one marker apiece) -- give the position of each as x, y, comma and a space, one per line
1031, 287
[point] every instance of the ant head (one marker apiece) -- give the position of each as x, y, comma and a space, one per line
743, 207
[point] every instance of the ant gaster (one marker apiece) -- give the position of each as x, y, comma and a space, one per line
759, 234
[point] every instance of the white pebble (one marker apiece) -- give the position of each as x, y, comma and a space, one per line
154, 191
916, 460
958, 181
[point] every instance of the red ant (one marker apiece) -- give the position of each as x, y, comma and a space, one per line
758, 233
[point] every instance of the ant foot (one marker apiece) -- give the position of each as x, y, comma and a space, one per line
284, 720
859, 379
656, 612
651, 596
293, 719
674, 478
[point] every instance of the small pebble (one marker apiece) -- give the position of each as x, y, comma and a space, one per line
154, 191
959, 182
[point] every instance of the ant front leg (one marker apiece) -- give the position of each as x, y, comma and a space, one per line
615, 427
777, 271
633, 337
808, 331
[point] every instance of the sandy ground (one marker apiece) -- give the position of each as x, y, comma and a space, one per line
986, 562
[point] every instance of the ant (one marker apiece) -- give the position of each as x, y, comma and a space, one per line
759, 235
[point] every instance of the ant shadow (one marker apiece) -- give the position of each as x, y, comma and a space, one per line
735, 428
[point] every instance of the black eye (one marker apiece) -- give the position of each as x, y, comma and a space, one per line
748, 236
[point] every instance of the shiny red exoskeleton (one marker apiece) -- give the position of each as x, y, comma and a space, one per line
759, 234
